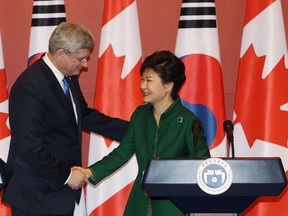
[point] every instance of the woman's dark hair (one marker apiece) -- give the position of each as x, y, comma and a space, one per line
168, 67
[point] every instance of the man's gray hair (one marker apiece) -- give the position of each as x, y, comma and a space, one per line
70, 37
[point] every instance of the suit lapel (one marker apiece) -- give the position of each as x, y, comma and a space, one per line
78, 107
58, 91
55, 85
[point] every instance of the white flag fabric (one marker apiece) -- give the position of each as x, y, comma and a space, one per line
261, 101
5, 209
197, 45
117, 94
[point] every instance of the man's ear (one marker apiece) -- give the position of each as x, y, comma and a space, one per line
60, 52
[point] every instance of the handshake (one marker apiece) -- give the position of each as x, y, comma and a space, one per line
79, 177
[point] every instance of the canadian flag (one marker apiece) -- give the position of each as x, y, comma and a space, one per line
46, 16
5, 209
117, 94
198, 45
261, 101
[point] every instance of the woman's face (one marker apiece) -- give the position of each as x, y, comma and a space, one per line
154, 90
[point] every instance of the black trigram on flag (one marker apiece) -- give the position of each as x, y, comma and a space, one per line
47, 14
198, 14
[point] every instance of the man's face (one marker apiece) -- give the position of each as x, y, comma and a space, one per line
73, 63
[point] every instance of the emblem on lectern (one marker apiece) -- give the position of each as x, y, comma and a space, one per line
214, 176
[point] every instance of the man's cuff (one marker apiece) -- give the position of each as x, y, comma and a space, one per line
68, 178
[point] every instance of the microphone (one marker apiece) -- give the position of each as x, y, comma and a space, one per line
228, 127
196, 128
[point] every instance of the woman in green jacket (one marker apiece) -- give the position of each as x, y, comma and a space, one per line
161, 128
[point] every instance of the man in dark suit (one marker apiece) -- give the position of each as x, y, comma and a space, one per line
46, 127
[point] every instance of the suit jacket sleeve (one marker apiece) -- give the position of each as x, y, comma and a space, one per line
97, 122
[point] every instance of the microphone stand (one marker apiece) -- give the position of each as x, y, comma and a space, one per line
228, 127
231, 139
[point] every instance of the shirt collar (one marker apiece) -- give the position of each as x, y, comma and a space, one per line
55, 71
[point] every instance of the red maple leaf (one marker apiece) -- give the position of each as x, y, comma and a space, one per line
115, 96
4, 130
258, 100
